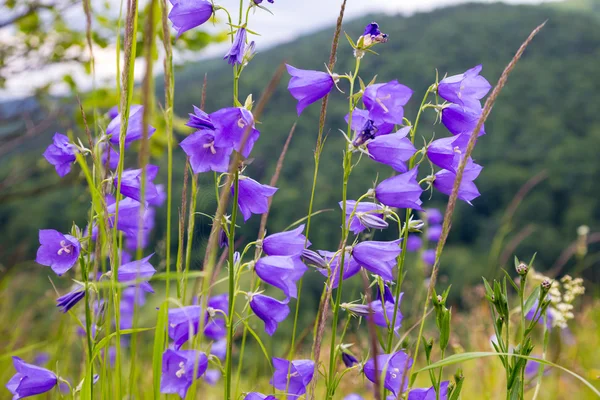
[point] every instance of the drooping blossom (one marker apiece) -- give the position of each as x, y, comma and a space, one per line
235, 55
200, 120
378, 257
113, 112
382, 312
130, 298
270, 310
387, 295
396, 367
131, 183
467, 191
447, 152
256, 395
428, 257
434, 232
135, 130
219, 349
57, 251
253, 197
69, 300
351, 267
293, 376
385, 101
372, 34
466, 89
348, 359
434, 216
288, 243
178, 370
109, 156
204, 155
216, 309
131, 242
282, 272
30, 380
430, 394
137, 273
402, 191
459, 120
61, 154
183, 322
413, 243
188, 14
308, 86
393, 149
129, 218
362, 208
365, 127
231, 124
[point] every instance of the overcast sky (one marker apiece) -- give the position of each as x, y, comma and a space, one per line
292, 18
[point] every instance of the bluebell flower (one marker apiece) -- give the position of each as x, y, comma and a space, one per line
289, 243
61, 154
282, 272
178, 370
385, 101
30, 380
57, 251
393, 149
402, 191
308, 86
235, 55
396, 367
134, 127
293, 376
378, 257
188, 14
270, 310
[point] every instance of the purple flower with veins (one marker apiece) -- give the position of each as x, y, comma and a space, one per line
430, 394
311, 257
57, 251
61, 154
270, 310
282, 272
388, 296
253, 197
200, 120
361, 119
131, 184
428, 257
308, 86
434, 232
135, 130
256, 395
69, 300
447, 152
467, 191
30, 380
183, 322
351, 267
393, 149
204, 155
414, 243
288, 243
188, 14
235, 55
137, 273
178, 370
385, 101
402, 191
292, 376
378, 257
396, 367
459, 120
129, 218
466, 89
131, 241
356, 225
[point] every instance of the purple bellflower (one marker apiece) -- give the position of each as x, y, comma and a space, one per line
282, 272
388, 296
311, 257
256, 395
217, 306
231, 124
178, 370
113, 112
382, 312
61, 154
308, 86
69, 300
129, 218
385, 101
447, 152
136, 271
131, 242
188, 14
434, 232
183, 322
378, 257
414, 243
366, 127
444, 182
30, 380
109, 156
428, 257
131, 183
212, 376
434, 216
372, 34
130, 297
219, 349
348, 359
459, 120
235, 55
351, 267
430, 394
363, 208
270, 310
402, 191
393, 149
288, 243
200, 120
135, 130
396, 367
204, 155
292, 376
465, 89
253, 197
57, 251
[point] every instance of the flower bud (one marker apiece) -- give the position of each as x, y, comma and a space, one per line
546, 284
522, 269
372, 221
349, 360
313, 258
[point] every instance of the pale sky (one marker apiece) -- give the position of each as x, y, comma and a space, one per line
292, 18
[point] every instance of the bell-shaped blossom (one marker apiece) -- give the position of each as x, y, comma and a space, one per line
434, 232
216, 309
382, 312
459, 120
131, 183
219, 349
466, 89
402, 191
282, 272
385, 101
467, 191
430, 394
113, 112
61, 154
256, 395
372, 34
414, 243
129, 218
200, 120
447, 152
231, 124
308, 86
30, 380
178, 369
135, 130
428, 257
378, 257
70, 300
365, 127
183, 323
131, 242
434, 216
131, 297
293, 376
288, 243
108, 155
356, 224
57, 251
204, 154
348, 359
386, 296
393, 149
235, 55
253, 197
396, 367
137, 272
270, 310
351, 267
188, 14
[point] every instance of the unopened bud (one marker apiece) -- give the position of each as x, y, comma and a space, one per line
522, 269
546, 284
439, 298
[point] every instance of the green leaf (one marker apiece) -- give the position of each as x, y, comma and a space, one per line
159, 346
531, 300
106, 340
